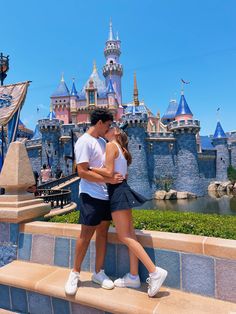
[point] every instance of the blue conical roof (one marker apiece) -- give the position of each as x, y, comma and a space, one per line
51, 115
171, 110
37, 134
62, 89
219, 132
110, 89
73, 90
183, 107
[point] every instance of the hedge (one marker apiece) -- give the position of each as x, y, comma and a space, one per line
211, 225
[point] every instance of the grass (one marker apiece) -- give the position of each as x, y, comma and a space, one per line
211, 225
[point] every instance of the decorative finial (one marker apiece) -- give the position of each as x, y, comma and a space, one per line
182, 87
62, 77
218, 114
110, 31
94, 66
136, 101
158, 114
51, 107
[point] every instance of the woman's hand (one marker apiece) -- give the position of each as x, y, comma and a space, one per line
117, 178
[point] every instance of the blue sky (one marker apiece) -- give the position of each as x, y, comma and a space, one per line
163, 41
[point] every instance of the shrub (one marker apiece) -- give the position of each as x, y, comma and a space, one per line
211, 225
231, 171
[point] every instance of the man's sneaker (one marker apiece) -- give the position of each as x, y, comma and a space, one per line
155, 280
128, 282
102, 279
72, 282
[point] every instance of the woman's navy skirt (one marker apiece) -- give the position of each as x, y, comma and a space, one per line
121, 196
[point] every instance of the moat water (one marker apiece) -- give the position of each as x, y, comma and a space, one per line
209, 204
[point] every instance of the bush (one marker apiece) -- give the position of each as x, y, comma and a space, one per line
231, 172
211, 225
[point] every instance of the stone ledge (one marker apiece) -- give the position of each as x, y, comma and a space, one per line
217, 247
50, 280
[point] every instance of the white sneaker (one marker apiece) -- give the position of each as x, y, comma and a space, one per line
102, 279
155, 281
128, 282
72, 282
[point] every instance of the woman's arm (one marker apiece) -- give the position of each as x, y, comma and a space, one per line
111, 154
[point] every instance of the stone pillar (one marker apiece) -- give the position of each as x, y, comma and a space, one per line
16, 205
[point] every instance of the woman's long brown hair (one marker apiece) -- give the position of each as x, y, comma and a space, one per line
122, 140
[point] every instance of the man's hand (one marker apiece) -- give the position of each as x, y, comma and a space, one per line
117, 178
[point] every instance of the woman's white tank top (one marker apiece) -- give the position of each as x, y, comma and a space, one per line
120, 162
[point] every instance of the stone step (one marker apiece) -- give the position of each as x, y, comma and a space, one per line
50, 280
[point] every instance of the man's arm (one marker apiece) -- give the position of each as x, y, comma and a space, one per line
85, 173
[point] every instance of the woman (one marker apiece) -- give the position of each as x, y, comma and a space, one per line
122, 199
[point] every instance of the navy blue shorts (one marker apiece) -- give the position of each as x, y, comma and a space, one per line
93, 211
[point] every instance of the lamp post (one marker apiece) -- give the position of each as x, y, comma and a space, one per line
4, 67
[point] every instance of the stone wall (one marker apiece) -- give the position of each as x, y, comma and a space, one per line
207, 163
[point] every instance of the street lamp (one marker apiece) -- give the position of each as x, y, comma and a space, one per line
4, 67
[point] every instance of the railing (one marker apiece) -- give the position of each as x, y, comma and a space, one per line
57, 198
55, 182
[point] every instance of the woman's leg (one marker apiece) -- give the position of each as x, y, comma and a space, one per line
124, 229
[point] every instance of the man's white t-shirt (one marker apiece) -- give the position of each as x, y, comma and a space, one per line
92, 150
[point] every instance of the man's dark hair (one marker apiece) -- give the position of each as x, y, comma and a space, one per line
102, 114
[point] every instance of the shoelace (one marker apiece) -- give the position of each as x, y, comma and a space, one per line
149, 281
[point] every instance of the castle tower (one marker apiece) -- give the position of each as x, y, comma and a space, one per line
73, 102
112, 67
219, 141
50, 129
187, 169
138, 170
60, 100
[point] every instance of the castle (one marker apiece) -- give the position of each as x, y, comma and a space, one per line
166, 149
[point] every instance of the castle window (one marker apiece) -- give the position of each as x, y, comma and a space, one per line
111, 62
56, 101
139, 147
91, 97
150, 147
59, 100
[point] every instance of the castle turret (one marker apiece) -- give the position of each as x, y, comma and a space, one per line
219, 141
187, 168
138, 170
60, 100
113, 69
73, 102
50, 129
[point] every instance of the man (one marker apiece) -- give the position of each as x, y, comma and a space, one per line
94, 204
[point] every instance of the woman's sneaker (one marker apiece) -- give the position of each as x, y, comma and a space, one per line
102, 279
155, 280
72, 283
128, 282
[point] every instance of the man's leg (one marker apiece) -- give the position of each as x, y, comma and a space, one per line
82, 244
101, 243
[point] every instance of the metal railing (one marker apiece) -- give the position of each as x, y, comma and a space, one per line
57, 198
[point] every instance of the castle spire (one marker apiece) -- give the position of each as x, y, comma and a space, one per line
110, 37
94, 66
136, 101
